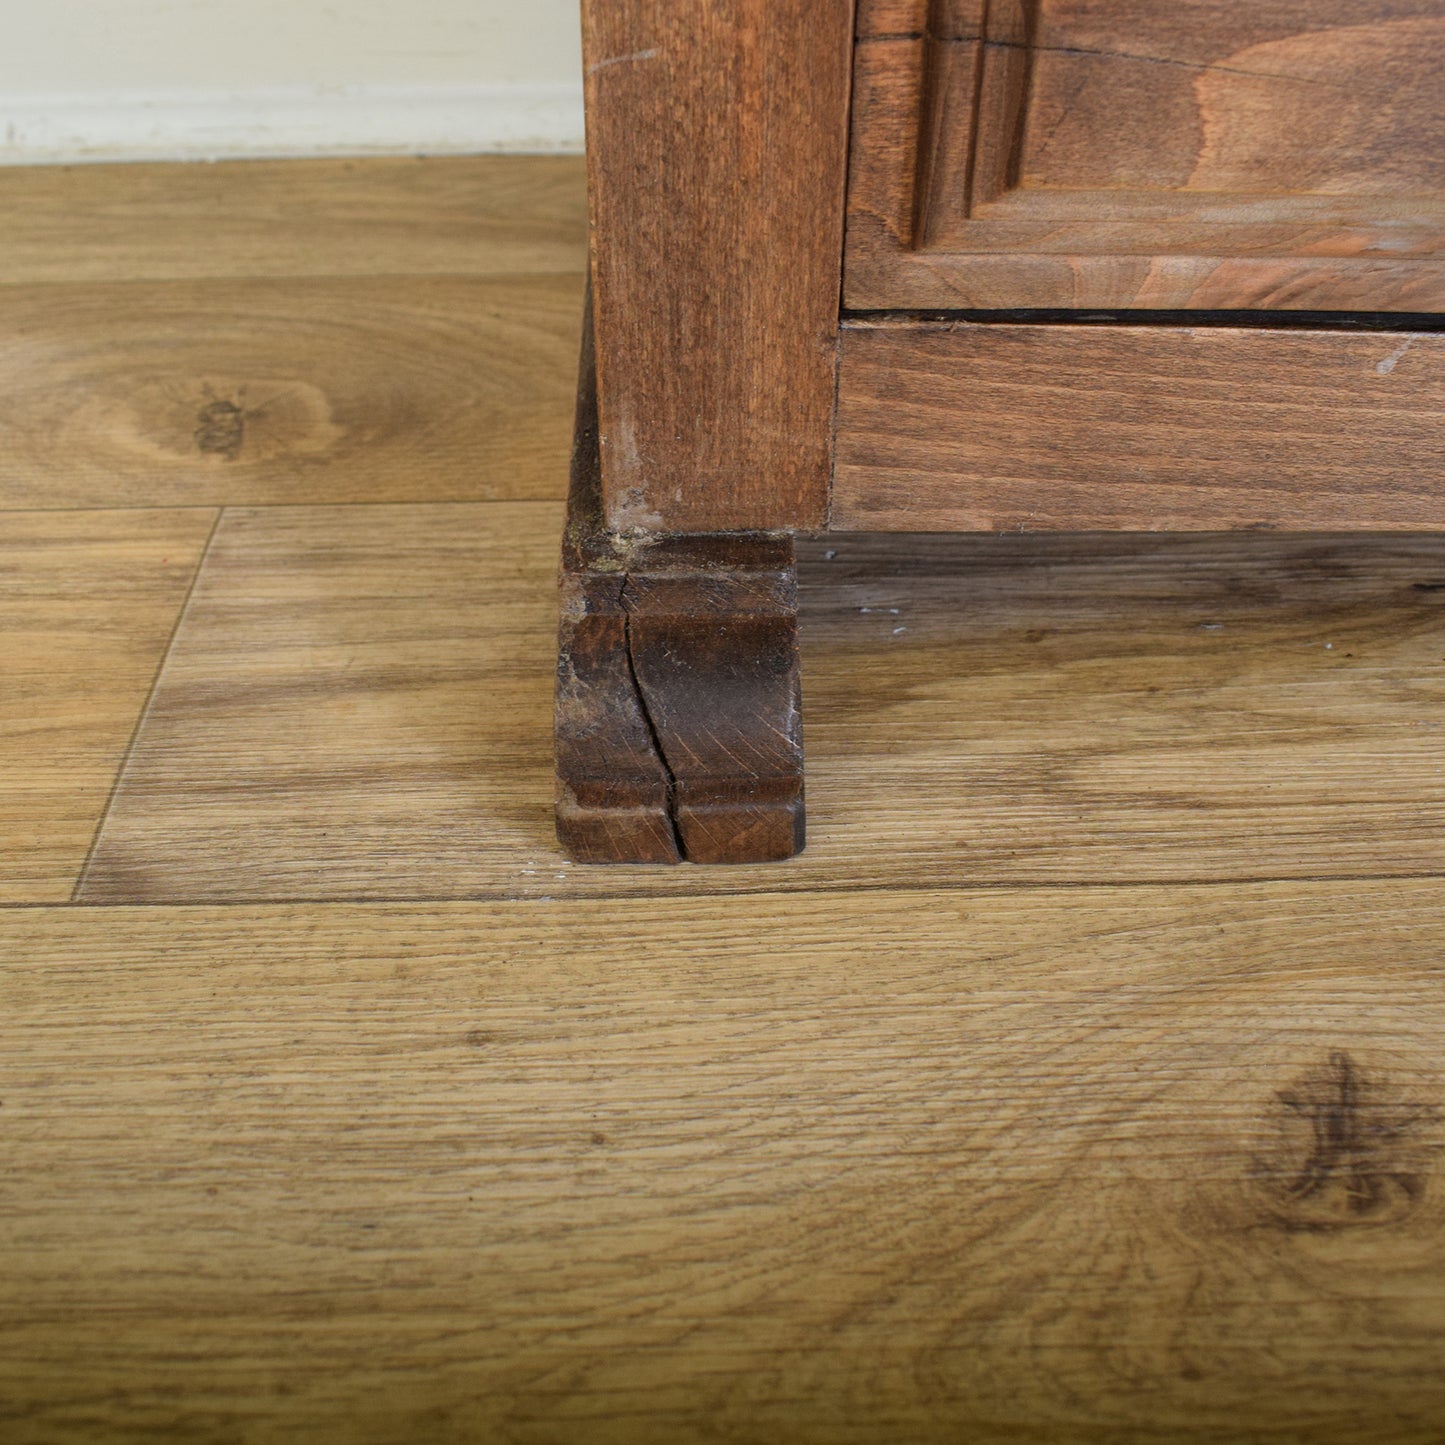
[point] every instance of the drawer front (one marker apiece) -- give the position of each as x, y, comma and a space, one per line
1277, 155
977, 427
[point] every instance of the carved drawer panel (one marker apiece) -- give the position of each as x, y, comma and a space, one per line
1280, 154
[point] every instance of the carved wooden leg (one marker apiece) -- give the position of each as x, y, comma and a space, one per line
679, 732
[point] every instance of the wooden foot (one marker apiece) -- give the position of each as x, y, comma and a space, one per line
679, 731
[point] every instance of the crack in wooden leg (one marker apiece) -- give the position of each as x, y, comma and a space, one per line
613, 802
714, 650
659, 750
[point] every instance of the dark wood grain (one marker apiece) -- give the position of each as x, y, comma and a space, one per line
717, 146
679, 726
1056, 153
980, 427
960, 19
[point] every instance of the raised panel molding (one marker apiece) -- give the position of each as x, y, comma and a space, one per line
1015, 153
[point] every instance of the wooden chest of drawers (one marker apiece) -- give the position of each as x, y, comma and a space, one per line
962, 265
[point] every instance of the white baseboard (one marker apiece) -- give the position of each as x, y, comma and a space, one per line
194, 125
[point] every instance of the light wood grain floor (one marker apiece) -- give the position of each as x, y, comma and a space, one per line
1083, 1081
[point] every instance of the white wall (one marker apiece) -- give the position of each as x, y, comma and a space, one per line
192, 79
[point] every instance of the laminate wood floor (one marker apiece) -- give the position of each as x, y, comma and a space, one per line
1081, 1082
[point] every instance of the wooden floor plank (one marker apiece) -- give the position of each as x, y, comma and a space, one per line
87, 603
359, 707
443, 215
244, 392
1076, 1165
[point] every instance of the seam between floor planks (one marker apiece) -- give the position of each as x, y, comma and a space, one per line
705, 893
144, 713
